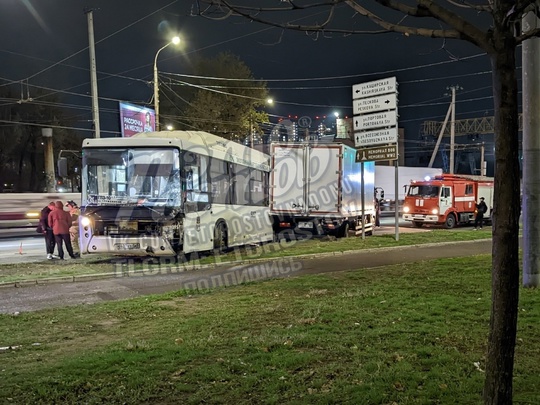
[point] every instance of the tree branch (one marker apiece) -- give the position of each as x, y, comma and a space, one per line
252, 14
428, 8
488, 8
457, 27
406, 30
528, 35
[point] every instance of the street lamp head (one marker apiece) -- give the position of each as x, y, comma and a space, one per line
269, 101
175, 41
336, 114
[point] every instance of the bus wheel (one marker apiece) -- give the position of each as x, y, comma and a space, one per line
418, 224
220, 238
450, 221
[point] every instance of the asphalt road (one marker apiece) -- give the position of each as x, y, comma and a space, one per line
23, 245
165, 278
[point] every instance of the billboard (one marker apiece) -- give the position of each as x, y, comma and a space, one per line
135, 119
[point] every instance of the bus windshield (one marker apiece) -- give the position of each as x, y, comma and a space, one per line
423, 191
136, 176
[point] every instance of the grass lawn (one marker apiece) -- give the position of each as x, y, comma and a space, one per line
10, 273
404, 334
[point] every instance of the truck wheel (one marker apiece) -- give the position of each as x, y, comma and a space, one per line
450, 221
344, 230
418, 224
220, 238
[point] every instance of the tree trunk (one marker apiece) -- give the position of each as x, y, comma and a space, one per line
505, 250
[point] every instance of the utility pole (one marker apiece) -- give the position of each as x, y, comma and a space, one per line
452, 129
50, 178
435, 150
482, 157
93, 75
531, 155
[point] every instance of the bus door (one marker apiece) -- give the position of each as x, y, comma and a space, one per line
197, 208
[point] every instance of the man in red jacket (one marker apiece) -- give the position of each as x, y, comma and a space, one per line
60, 221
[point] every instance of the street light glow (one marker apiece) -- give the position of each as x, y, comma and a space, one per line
175, 41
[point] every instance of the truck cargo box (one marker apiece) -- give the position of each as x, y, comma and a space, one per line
320, 184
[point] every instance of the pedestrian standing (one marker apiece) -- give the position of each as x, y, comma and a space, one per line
74, 211
481, 209
46, 229
377, 212
60, 222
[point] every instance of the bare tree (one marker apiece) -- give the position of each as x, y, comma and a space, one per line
491, 25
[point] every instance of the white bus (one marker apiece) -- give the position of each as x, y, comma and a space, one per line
173, 192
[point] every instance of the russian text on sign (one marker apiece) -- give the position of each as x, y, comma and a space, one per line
377, 137
374, 88
375, 120
374, 104
379, 153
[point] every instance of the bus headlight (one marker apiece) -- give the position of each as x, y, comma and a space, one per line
435, 211
406, 209
85, 222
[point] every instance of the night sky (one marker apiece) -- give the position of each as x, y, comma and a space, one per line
44, 45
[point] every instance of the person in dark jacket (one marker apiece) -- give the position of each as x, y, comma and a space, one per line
47, 230
60, 222
481, 209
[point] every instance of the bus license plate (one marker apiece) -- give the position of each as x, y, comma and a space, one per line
127, 246
305, 225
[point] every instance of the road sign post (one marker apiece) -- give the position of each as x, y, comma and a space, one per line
375, 123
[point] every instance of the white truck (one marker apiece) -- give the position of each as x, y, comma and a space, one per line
318, 189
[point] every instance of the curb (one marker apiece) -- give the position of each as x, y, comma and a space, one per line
134, 273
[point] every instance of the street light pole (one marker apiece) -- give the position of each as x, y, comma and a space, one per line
175, 41
268, 101
251, 131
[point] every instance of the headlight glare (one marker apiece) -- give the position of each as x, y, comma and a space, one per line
85, 221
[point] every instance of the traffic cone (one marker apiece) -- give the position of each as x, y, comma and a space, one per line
20, 249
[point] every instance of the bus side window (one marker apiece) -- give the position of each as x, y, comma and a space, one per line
220, 179
195, 179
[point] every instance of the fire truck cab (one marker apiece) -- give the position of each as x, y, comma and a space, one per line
447, 200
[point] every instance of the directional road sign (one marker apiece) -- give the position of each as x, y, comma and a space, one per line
374, 88
388, 152
376, 137
374, 104
375, 120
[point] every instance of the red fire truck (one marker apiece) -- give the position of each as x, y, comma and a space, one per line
447, 200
